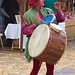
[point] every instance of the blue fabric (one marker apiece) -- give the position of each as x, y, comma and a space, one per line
48, 18
50, 4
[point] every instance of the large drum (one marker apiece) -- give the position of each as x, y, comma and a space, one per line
46, 44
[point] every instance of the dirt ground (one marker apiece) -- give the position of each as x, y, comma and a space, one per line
13, 63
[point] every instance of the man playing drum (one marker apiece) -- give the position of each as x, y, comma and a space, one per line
31, 21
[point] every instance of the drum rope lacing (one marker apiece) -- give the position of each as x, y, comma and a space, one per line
53, 40
56, 43
46, 50
63, 35
50, 36
58, 38
53, 51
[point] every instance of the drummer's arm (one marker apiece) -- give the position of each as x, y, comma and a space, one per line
27, 30
60, 16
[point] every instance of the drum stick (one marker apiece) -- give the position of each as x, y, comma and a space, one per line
48, 23
41, 20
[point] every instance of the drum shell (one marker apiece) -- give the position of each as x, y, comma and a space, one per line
54, 49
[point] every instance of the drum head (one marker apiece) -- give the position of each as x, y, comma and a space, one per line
55, 27
49, 18
39, 40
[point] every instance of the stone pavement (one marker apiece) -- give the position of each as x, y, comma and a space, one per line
13, 63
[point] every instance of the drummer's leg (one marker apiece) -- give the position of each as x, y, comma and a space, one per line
50, 69
36, 67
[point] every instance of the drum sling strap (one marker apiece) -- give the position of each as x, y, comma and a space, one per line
47, 11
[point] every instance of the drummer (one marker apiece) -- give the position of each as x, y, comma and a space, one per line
30, 22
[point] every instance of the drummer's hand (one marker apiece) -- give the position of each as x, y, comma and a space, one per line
36, 20
57, 5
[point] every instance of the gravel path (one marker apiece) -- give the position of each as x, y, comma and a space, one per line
13, 63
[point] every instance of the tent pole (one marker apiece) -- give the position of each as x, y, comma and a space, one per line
24, 9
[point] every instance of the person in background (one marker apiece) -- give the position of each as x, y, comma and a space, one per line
50, 4
30, 22
3, 14
12, 9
